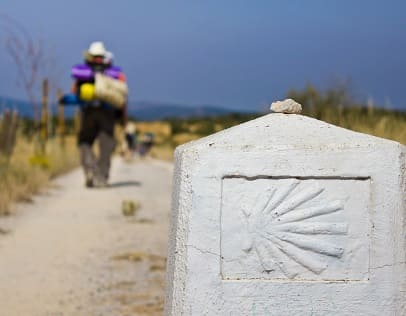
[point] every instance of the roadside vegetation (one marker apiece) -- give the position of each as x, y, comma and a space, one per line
333, 105
337, 107
28, 169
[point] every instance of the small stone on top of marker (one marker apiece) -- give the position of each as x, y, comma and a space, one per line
287, 106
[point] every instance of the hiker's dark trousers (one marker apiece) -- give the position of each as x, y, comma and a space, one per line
96, 123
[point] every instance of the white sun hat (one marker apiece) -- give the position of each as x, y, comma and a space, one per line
97, 49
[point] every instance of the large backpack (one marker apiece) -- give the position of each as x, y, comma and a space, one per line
100, 85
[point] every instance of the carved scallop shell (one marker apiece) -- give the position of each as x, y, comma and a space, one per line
282, 228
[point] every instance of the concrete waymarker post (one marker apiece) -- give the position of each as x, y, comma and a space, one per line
288, 215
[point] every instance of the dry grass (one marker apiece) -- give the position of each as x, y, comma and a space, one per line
161, 130
377, 122
137, 256
20, 179
156, 127
381, 123
182, 138
162, 151
26, 174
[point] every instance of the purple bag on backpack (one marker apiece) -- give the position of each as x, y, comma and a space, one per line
83, 72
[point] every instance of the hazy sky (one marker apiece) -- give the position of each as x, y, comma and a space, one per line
233, 53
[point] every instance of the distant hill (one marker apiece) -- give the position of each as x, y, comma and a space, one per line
148, 111
141, 110
24, 108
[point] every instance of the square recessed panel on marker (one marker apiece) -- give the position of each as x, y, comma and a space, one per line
293, 229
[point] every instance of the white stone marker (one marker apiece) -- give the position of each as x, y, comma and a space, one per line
288, 215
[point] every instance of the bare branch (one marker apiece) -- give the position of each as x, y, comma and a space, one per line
30, 57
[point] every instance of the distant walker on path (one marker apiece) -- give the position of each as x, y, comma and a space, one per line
101, 91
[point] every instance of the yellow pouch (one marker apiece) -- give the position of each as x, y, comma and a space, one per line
86, 92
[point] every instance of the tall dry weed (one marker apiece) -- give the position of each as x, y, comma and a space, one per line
21, 176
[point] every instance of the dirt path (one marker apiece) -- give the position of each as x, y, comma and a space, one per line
72, 252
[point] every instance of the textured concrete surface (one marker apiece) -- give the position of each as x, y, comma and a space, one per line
72, 252
288, 215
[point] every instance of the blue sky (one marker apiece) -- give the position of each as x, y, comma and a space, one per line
233, 53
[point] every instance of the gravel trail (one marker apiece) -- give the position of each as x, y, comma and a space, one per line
72, 252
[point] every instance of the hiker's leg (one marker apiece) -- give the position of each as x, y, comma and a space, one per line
106, 141
107, 144
87, 135
88, 161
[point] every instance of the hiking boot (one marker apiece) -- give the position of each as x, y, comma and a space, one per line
100, 182
89, 180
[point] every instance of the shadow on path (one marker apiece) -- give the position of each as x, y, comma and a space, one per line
125, 184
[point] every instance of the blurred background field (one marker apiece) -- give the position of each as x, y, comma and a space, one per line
29, 168
334, 106
220, 74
